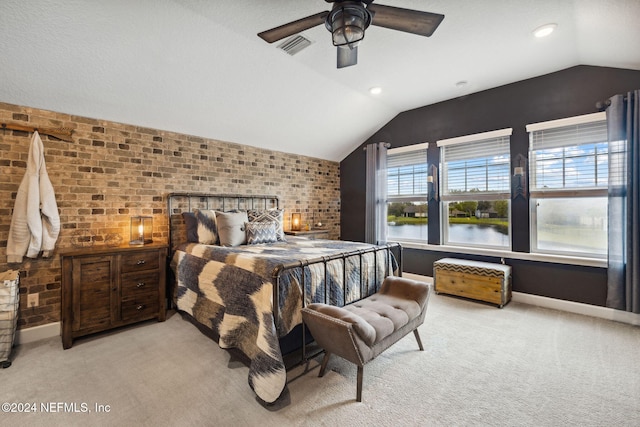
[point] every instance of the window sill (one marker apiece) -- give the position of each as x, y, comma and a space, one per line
557, 259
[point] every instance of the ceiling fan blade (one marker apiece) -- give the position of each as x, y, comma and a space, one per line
294, 27
347, 56
407, 20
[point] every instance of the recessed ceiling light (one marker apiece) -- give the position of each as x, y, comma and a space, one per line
545, 30
376, 90
461, 83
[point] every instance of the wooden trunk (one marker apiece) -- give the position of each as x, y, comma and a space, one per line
480, 281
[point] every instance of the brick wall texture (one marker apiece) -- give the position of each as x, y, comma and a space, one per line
111, 171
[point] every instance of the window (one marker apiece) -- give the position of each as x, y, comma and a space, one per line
407, 190
475, 191
569, 174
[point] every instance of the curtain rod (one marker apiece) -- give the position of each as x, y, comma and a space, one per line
386, 144
60, 133
602, 105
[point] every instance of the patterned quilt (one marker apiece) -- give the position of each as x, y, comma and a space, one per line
230, 290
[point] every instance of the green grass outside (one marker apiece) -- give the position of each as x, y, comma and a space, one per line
405, 220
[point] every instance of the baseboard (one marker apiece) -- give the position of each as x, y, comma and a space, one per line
37, 333
578, 308
562, 305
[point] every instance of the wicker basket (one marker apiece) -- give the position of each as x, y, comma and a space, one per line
9, 286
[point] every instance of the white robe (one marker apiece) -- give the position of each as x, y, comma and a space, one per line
35, 223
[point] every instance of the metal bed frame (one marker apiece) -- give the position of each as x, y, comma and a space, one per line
265, 201
281, 269
225, 202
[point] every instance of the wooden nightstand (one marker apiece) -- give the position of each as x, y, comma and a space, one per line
106, 287
310, 234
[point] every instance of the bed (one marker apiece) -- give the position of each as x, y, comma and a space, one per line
250, 292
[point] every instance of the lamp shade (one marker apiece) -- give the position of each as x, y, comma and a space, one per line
347, 24
141, 230
296, 221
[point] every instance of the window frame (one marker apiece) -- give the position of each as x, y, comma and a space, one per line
565, 192
447, 197
414, 197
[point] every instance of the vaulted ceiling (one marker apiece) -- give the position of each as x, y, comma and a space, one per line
198, 67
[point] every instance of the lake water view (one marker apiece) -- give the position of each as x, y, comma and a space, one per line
587, 241
458, 233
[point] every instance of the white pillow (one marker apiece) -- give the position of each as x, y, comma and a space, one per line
231, 228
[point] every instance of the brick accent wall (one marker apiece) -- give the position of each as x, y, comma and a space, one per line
112, 171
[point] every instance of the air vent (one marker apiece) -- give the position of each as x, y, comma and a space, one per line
294, 44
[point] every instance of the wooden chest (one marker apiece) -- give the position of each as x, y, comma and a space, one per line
482, 281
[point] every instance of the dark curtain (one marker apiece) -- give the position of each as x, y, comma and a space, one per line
623, 279
376, 194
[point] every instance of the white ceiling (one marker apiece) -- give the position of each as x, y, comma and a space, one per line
198, 67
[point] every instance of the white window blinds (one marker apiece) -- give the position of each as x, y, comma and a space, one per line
568, 158
407, 156
473, 168
407, 171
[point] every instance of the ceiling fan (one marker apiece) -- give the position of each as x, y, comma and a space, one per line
348, 20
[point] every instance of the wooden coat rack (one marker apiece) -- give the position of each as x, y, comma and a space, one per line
60, 133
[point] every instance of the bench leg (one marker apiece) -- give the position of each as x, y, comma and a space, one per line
325, 360
359, 389
415, 332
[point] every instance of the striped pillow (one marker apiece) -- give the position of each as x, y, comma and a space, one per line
207, 227
191, 224
269, 215
261, 232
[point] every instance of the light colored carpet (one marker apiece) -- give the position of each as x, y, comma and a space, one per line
519, 366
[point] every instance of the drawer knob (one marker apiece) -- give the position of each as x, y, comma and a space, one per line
140, 284
141, 261
140, 307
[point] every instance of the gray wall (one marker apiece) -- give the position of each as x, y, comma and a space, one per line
566, 93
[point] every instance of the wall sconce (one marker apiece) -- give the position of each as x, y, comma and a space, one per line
519, 185
432, 183
141, 230
296, 222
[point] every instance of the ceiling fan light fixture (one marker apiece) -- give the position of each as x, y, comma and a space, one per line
544, 30
347, 23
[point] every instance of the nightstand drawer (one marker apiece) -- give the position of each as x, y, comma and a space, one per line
140, 307
138, 261
139, 283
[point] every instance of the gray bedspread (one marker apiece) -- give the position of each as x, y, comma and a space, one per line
230, 290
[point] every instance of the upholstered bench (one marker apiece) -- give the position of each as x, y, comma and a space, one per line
482, 281
360, 331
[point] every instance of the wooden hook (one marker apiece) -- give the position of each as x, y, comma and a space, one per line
60, 133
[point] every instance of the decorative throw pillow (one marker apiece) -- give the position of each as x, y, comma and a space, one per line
269, 215
191, 223
262, 232
231, 228
207, 226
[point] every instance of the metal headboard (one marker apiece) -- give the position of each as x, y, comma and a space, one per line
187, 202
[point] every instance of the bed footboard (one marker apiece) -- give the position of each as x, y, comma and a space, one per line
393, 265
